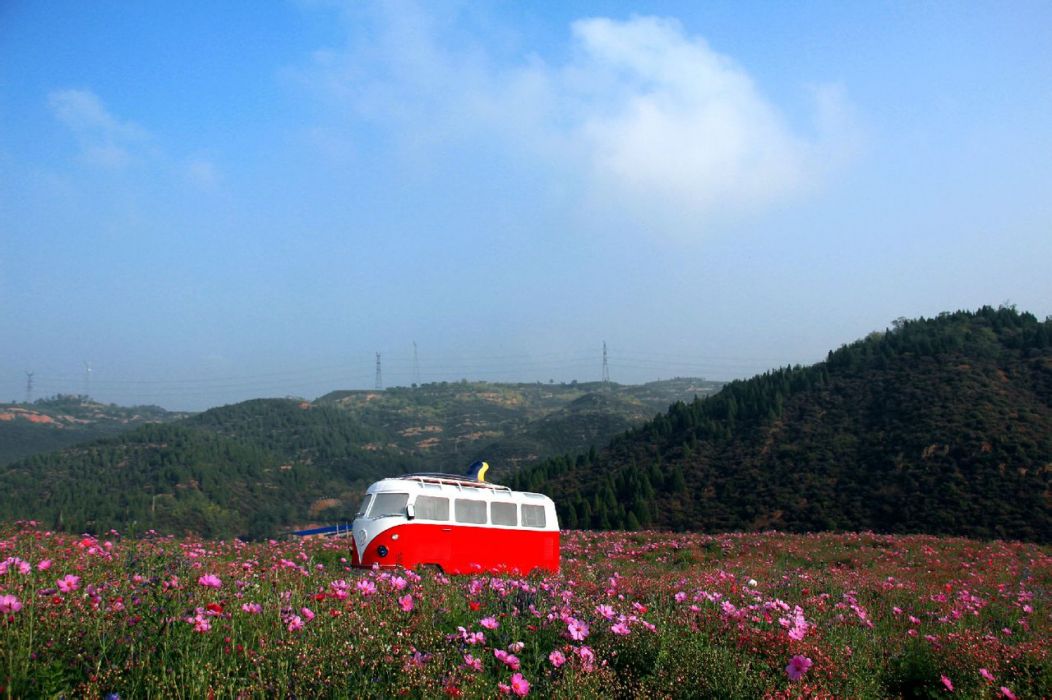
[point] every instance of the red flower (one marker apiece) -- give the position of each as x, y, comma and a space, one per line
215, 608
474, 605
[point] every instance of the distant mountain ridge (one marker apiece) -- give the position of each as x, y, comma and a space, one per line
64, 420
252, 468
939, 425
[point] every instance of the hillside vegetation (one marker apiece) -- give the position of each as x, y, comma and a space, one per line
60, 421
939, 425
260, 466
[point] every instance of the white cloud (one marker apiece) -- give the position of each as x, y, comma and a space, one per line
686, 128
105, 140
650, 121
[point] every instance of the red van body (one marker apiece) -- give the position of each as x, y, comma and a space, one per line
456, 524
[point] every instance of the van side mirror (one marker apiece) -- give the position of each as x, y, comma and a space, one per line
410, 511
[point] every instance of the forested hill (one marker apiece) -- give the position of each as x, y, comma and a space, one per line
939, 425
260, 466
247, 469
59, 421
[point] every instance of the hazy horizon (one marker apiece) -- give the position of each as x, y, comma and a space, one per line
205, 204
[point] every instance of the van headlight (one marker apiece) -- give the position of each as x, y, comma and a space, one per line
381, 551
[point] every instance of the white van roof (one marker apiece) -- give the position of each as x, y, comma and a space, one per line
451, 481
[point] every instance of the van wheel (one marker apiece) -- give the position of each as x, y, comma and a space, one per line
433, 569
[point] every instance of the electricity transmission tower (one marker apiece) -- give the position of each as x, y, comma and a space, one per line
606, 367
29, 387
379, 377
87, 379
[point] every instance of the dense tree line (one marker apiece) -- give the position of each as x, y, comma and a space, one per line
937, 425
246, 470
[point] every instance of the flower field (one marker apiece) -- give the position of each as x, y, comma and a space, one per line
630, 615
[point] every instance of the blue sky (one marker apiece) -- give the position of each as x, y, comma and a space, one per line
208, 202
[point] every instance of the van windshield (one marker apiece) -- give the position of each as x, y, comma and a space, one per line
385, 504
364, 506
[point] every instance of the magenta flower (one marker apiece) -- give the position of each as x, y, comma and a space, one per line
797, 667
295, 623
472, 663
489, 623
1006, 693
947, 682
307, 613
69, 583
210, 581
406, 602
578, 630
587, 657
680, 597
9, 604
509, 660
519, 685
557, 658
44, 565
366, 587
620, 628
986, 674
252, 608
606, 611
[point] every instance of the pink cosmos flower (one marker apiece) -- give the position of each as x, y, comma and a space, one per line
366, 587
69, 583
605, 611
797, 667
489, 623
252, 608
985, 673
516, 647
398, 583
578, 630
210, 581
509, 660
472, 663
587, 657
9, 604
621, 628
1006, 693
680, 596
406, 602
947, 682
557, 658
307, 613
201, 624
44, 565
295, 623
519, 685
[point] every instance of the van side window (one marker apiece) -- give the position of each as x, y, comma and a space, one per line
432, 508
469, 511
388, 504
533, 516
503, 514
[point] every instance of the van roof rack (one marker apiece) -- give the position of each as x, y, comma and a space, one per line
452, 480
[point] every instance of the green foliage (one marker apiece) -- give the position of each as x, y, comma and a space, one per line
938, 425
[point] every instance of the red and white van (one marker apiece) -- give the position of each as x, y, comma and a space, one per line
457, 524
